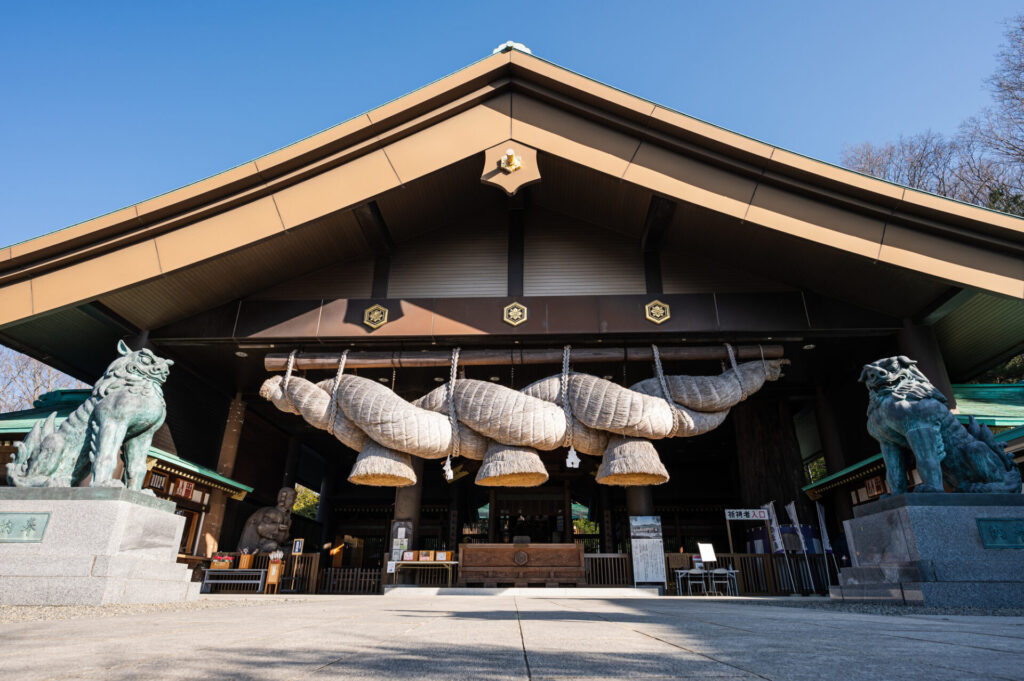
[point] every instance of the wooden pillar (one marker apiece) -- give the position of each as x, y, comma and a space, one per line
492, 516
607, 534
639, 500
568, 536
408, 502
918, 342
325, 510
769, 462
214, 522
454, 506
291, 462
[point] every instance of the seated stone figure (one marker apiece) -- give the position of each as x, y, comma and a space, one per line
267, 529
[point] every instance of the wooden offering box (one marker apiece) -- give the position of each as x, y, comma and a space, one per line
521, 564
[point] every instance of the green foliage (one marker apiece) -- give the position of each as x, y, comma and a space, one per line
815, 470
584, 526
307, 502
1011, 371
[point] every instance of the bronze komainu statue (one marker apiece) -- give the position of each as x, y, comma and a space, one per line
907, 414
126, 406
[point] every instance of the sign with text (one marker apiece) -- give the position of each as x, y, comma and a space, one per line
648, 549
23, 527
1001, 533
746, 514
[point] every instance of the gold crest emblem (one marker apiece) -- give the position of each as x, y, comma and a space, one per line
375, 316
514, 314
657, 311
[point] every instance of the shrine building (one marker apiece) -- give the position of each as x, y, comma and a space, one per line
523, 214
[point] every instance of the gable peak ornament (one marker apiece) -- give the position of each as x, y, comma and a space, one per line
515, 314
510, 166
375, 316
657, 312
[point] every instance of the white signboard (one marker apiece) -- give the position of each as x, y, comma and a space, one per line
648, 549
391, 567
746, 514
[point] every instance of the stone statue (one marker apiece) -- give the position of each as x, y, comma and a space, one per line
907, 414
126, 407
267, 529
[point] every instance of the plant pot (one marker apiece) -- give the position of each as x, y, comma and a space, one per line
220, 565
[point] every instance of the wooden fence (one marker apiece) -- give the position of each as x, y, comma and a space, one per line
350, 581
608, 569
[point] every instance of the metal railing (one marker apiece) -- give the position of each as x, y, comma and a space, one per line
300, 572
759, 574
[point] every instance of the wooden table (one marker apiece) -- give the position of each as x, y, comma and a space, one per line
420, 564
522, 564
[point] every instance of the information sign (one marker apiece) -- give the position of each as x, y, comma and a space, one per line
648, 549
746, 514
1001, 533
23, 527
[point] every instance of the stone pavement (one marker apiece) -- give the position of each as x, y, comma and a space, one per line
481, 637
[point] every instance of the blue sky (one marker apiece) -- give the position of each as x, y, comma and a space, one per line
106, 104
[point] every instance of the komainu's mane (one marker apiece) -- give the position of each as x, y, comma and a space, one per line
912, 385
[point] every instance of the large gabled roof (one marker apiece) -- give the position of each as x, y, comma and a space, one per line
510, 96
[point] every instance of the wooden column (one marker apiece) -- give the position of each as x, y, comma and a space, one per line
567, 533
639, 500
214, 522
325, 510
769, 463
408, 501
918, 342
607, 534
492, 516
291, 462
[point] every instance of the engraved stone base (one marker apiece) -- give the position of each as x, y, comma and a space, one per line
89, 546
929, 549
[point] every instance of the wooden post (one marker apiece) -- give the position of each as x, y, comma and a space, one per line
492, 516
567, 533
214, 521
728, 531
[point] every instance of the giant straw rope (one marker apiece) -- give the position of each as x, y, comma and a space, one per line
504, 427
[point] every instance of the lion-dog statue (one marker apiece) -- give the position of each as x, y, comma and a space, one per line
907, 414
126, 407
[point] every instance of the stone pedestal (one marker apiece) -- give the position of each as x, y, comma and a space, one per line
930, 549
89, 546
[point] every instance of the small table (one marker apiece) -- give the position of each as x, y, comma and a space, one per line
233, 576
422, 564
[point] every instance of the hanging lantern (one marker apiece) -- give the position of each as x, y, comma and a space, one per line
378, 466
631, 461
507, 466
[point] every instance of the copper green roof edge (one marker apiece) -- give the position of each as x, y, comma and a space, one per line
845, 471
22, 421
1012, 434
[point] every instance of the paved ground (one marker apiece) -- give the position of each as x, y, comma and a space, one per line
472, 637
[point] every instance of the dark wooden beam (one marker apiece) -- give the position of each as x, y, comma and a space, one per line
278, 361
516, 241
378, 238
659, 217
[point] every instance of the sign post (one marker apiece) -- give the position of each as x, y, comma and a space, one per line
742, 514
777, 543
648, 549
791, 511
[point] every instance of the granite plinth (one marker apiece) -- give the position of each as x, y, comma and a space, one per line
100, 546
926, 549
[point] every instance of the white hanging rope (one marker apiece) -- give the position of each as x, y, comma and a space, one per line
334, 389
452, 420
288, 368
735, 369
664, 386
571, 459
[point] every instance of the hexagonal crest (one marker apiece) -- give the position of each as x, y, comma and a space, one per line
375, 316
514, 314
657, 311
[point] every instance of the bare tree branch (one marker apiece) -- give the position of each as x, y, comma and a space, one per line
23, 379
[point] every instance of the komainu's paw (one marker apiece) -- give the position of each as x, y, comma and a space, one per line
147, 491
